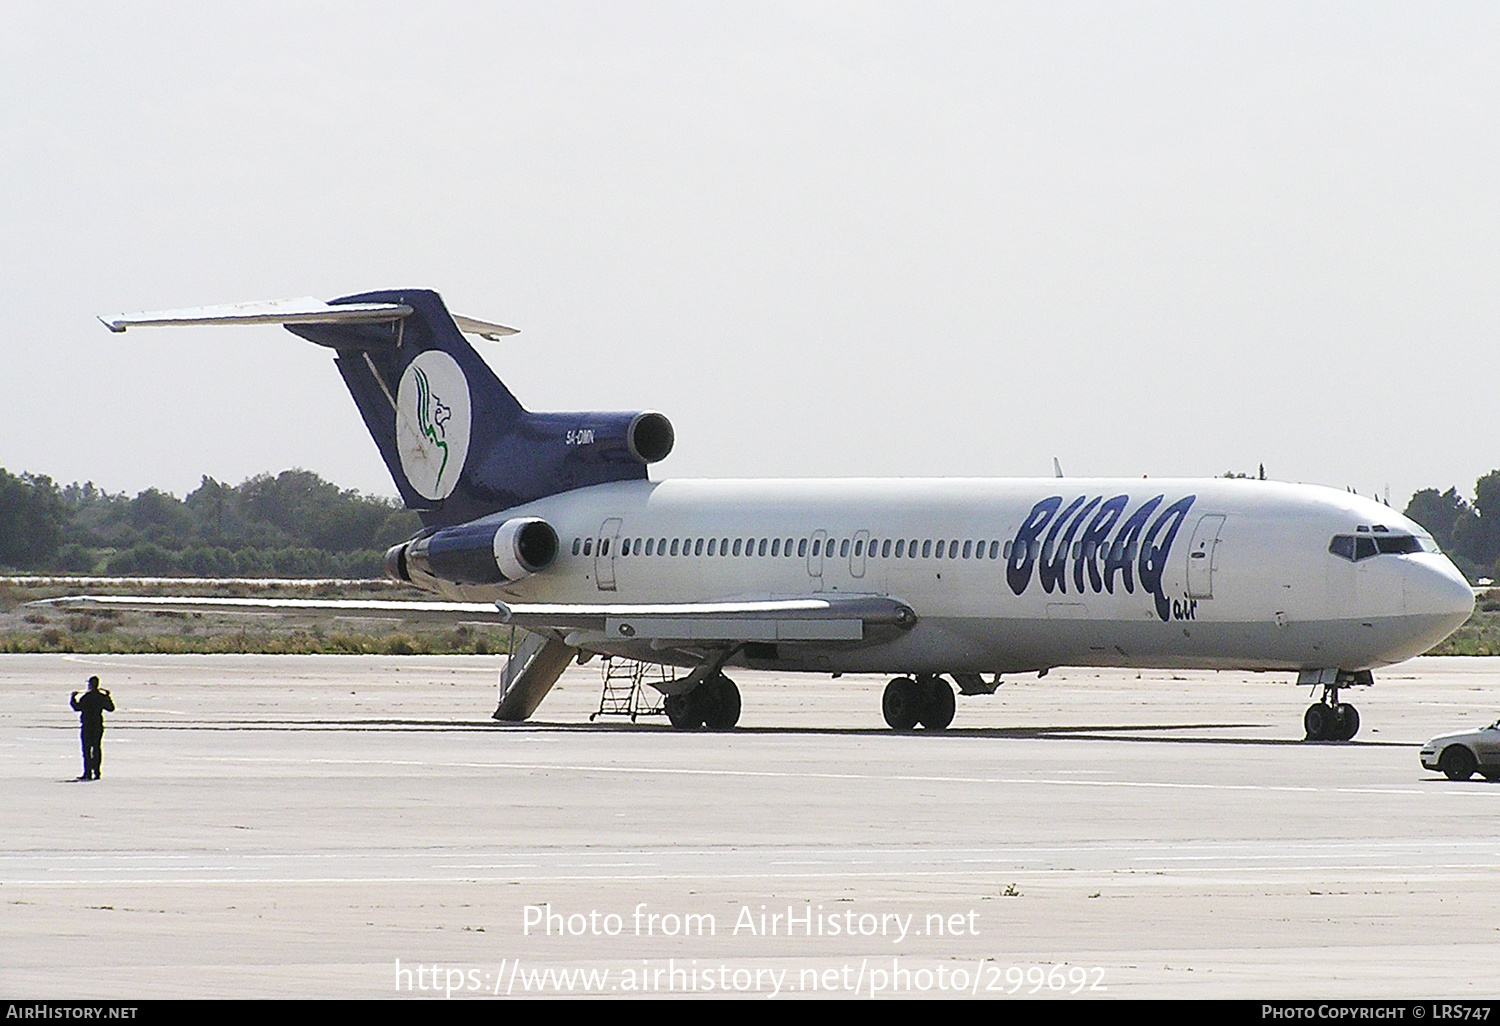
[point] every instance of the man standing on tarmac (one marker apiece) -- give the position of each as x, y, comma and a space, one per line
91, 709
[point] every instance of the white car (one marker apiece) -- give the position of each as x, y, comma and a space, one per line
1458, 756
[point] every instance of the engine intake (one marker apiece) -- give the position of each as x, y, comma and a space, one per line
477, 553
650, 437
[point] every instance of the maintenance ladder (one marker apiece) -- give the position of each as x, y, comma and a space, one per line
627, 690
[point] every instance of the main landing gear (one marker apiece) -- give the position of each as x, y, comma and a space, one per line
1328, 719
714, 703
927, 700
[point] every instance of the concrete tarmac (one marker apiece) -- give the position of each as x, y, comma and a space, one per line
341, 826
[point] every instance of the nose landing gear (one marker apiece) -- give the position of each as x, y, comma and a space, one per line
1328, 719
1331, 721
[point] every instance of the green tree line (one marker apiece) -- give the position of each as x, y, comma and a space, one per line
1469, 532
294, 524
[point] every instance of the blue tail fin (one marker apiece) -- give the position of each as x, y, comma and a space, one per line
456, 441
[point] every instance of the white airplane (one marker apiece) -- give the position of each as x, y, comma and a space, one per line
549, 522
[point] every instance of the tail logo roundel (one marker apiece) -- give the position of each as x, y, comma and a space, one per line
432, 423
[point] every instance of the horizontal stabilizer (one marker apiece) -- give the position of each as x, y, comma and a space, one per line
293, 311
275, 311
484, 329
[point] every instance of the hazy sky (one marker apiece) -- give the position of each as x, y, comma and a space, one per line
825, 238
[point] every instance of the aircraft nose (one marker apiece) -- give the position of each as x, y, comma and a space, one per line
1435, 587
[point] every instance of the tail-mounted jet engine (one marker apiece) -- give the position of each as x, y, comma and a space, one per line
476, 553
649, 437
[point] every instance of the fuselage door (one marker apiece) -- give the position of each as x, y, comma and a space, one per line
604, 554
857, 554
1203, 556
815, 558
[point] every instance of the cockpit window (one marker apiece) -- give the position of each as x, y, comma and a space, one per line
1355, 547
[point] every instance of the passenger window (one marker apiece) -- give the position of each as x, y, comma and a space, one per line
675, 546
844, 548
900, 547
994, 549
859, 547
927, 548
723, 546
968, 548
604, 547
1006, 551
650, 546
737, 546
885, 549
802, 548
713, 546
788, 548
940, 546
577, 545
698, 546
775, 546
817, 544
588, 546
760, 549
661, 547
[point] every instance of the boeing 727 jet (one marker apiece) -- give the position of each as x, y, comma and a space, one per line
550, 522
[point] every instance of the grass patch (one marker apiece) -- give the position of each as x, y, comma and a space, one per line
99, 632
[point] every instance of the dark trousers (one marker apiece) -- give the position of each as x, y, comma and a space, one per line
93, 751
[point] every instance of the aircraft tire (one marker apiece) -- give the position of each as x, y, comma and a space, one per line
1319, 722
685, 711
901, 703
1348, 721
721, 704
1457, 763
938, 705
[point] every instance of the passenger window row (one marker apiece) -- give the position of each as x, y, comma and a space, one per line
875, 548
1119, 552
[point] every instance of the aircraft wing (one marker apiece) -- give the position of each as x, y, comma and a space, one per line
810, 618
442, 612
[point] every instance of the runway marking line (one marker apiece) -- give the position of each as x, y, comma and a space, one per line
782, 774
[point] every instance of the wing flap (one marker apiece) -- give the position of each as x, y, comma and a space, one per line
676, 628
820, 618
